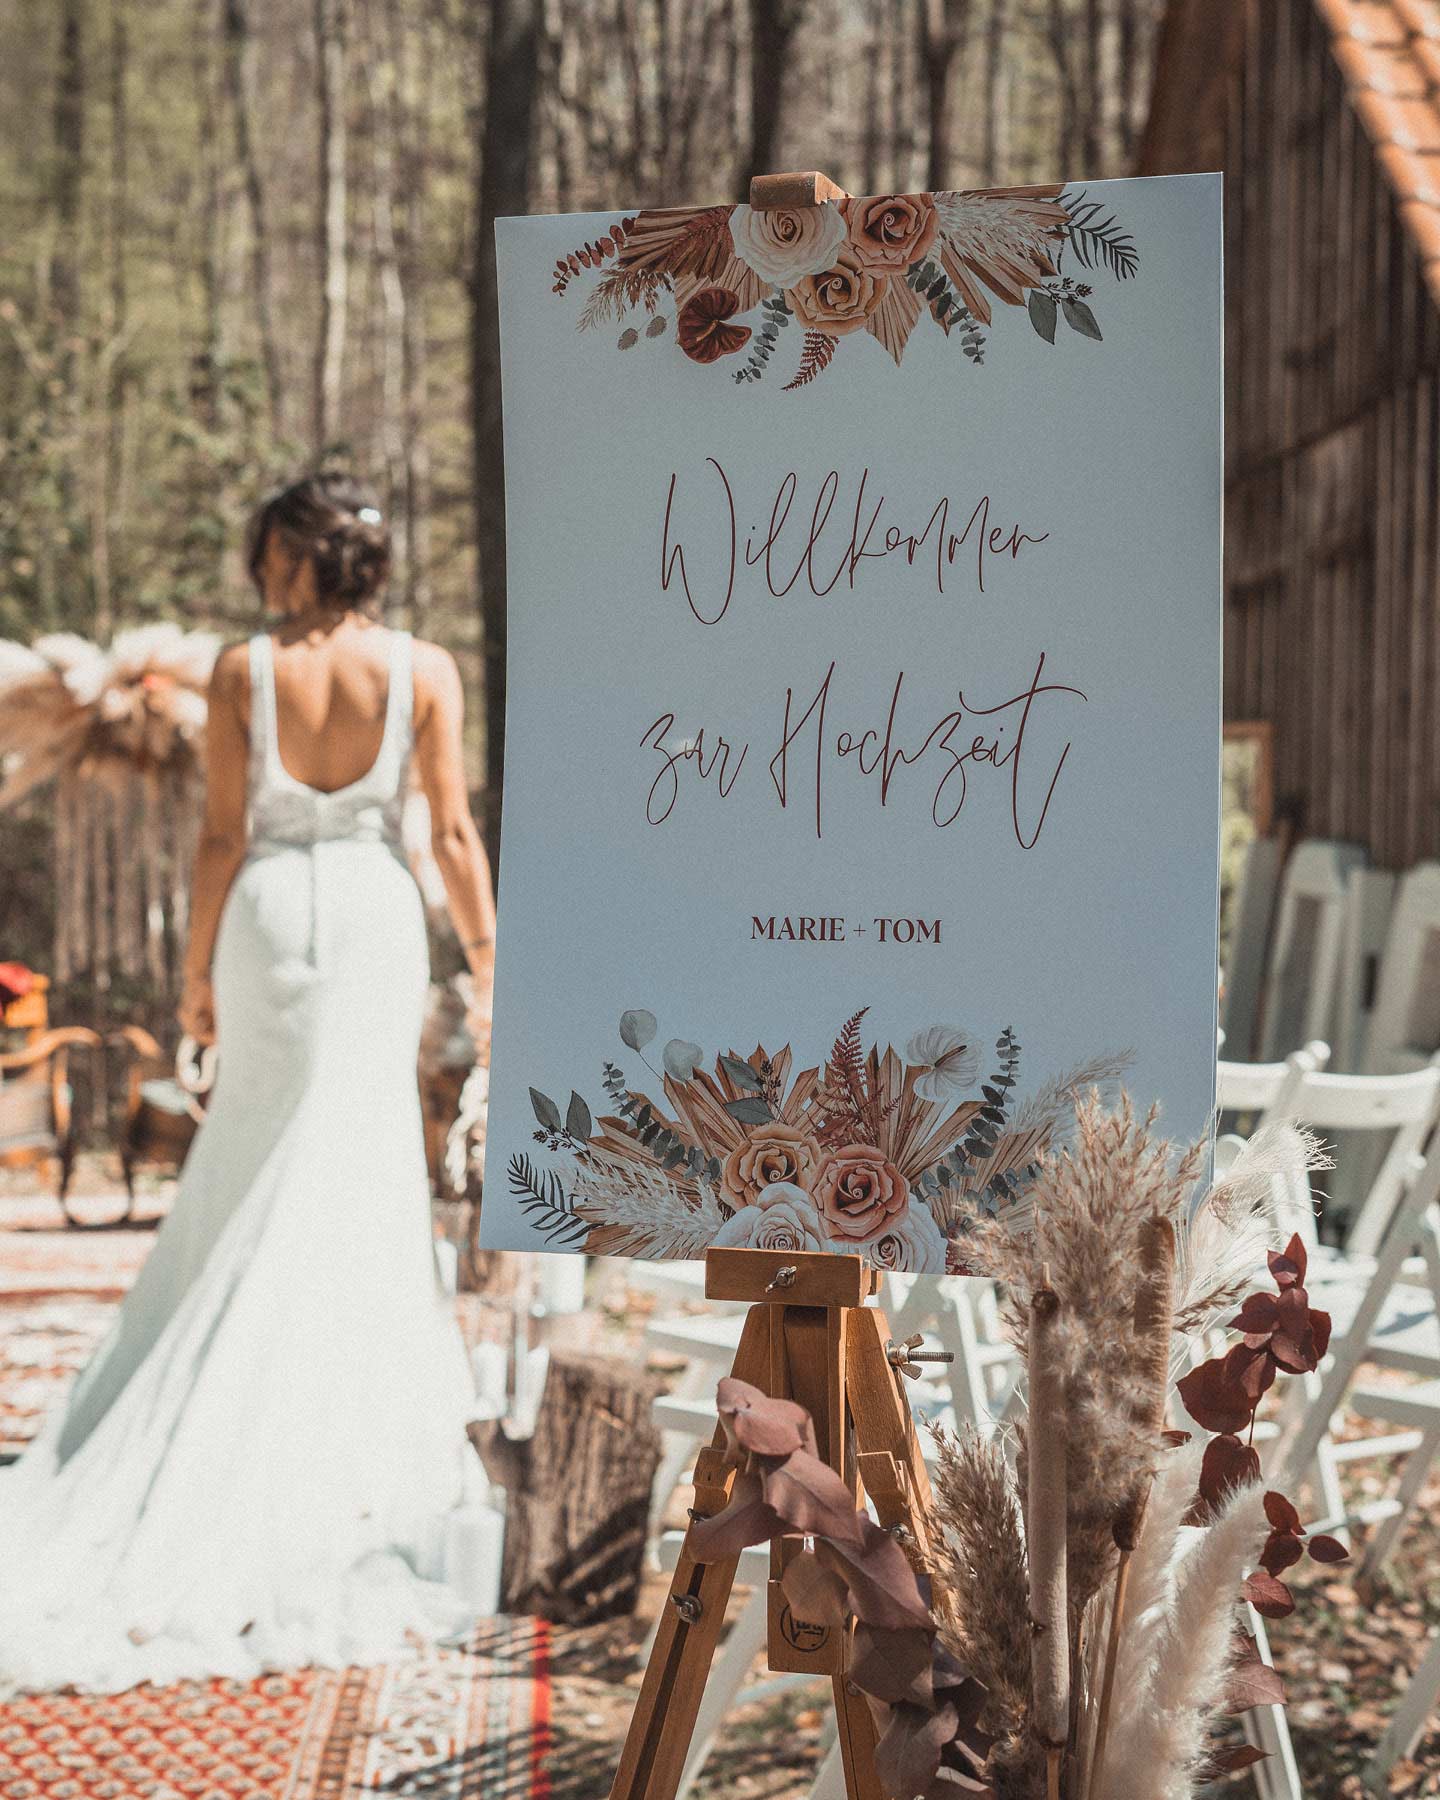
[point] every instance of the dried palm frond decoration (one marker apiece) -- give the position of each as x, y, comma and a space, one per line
119, 733
1093, 1589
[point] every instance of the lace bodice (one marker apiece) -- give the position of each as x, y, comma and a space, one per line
286, 813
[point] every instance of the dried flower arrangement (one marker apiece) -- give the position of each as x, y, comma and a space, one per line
871, 1152
871, 265
1092, 1590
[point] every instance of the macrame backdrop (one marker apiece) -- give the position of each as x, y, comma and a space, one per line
119, 732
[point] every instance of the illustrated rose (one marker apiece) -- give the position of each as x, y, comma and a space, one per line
839, 299
891, 231
789, 243
859, 1194
783, 1217
911, 1245
702, 331
772, 1153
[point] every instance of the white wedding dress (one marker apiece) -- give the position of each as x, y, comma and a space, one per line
258, 1462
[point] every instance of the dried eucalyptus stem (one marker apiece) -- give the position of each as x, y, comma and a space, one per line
1154, 1326
1046, 1519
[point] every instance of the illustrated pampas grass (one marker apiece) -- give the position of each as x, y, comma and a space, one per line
1093, 1587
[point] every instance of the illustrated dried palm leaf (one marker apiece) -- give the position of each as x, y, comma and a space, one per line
701, 1104
894, 318
680, 240
1001, 241
736, 277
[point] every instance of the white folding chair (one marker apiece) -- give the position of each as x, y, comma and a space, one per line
1404, 1027
1302, 982
1369, 902
1263, 1090
1254, 914
1382, 1318
1416, 1709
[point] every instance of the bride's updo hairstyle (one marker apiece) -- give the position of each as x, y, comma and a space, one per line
334, 522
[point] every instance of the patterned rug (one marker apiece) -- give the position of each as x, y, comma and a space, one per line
467, 1724
43, 1345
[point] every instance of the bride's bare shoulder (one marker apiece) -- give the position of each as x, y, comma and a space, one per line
438, 686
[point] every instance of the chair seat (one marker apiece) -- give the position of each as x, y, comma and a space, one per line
1406, 1335
714, 1339
1417, 1405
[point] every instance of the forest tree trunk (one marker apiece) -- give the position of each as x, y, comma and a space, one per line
332, 26
942, 33
578, 1492
773, 24
240, 76
992, 155
511, 69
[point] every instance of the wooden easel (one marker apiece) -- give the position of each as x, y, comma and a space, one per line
808, 1337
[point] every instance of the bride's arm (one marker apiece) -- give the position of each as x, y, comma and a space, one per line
459, 853
222, 841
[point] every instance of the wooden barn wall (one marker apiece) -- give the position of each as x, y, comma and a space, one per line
1333, 446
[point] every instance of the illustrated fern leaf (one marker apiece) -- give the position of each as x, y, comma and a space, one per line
591, 256
815, 356
543, 1200
1098, 239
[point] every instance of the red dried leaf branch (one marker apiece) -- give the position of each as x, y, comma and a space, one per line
926, 1708
1279, 1332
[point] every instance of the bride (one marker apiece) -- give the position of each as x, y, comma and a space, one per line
255, 1468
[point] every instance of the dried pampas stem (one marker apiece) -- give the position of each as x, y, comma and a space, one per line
1154, 1325
1046, 1519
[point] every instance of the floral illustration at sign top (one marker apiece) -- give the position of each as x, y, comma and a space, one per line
861, 264
870, 1153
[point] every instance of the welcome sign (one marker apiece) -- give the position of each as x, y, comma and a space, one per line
862, 757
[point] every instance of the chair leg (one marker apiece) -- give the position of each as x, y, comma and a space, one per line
830, 1782
727, 1680
1405, 1729
1417, 1467
1278, 1777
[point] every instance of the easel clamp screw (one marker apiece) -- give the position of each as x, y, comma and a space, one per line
782, 1278
689, 1608
907, 1356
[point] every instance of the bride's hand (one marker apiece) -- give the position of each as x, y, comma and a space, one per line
196, 1012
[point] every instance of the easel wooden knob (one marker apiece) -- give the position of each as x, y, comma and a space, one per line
769, 193
810, 1337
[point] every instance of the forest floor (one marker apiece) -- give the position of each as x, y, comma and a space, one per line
1345, 1661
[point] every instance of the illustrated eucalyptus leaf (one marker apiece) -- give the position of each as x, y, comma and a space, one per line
681, 1059
546, 1111
741, 1074
577, 1117
1079, 317
1043, 313
637, 1028
752, 1109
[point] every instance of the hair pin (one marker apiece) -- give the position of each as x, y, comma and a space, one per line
369, 515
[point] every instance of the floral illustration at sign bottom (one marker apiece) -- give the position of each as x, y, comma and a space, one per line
896, 1158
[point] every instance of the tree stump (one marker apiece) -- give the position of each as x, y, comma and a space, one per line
579, 1492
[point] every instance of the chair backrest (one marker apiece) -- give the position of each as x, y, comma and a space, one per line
1301, 987
1405, 1106
1243, 1087
1253, 917
1404, 1026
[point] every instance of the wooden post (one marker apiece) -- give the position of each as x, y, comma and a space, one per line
769, 193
